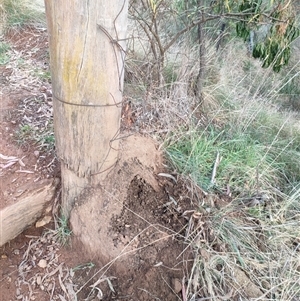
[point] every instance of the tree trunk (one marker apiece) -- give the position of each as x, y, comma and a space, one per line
87, 49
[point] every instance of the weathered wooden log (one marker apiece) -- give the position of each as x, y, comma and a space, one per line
15, 218
87, 42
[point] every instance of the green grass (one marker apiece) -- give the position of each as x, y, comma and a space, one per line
83, 266
19, 13
24, 133
43, 75
169, 74
42, 137
4, 57
257, 139
63, 232
257, 158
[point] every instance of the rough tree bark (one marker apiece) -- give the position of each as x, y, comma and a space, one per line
87, 49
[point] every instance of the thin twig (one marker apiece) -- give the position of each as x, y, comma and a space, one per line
214, 172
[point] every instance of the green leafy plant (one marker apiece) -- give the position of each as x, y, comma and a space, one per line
24, 133
274, 49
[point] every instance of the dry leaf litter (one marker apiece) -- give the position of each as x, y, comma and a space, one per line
41, 272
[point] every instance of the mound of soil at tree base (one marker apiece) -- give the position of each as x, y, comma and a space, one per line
134, 225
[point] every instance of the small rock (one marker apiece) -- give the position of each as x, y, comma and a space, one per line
250, 289
177, 285
36, 153
42, 222
266, 285
16, 252
42, 263
208, 210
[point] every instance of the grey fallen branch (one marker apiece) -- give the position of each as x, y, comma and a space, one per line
214, 172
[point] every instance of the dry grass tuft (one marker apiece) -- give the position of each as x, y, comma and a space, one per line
19, 13
246, 235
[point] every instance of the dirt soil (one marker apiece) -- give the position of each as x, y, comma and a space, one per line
143, 214
135, 224
22, 163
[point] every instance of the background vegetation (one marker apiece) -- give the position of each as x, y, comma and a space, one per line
229, 123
